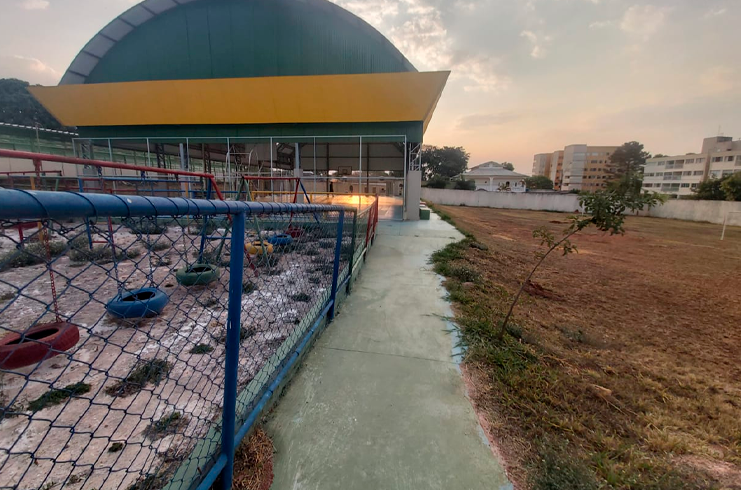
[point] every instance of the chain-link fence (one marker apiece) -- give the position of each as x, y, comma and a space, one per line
136, 332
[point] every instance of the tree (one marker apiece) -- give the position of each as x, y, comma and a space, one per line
465, 185
447, 161
438, 182
605, 210
508, 166
661, 155
629, 159
538, 182
709, 190
731, 187
18, 106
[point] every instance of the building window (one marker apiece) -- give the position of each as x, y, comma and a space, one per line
659, 174
648, 185
698, 172
685, 185
699, 160
730, 159
690, 160
660, 164
680, 162
687, 173
693, 186
717, 159
726, 173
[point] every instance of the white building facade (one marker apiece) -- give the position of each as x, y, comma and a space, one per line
492, 177
681, 174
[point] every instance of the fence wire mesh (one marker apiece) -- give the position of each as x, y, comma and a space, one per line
113, 337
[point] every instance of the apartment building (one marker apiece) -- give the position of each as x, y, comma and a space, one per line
576, 167
557, 169
586, 168
542, 164
680, 175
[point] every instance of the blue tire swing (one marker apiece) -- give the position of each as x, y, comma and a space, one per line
201, 273
139, 303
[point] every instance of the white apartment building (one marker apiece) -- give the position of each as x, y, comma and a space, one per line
542, 164
679, 175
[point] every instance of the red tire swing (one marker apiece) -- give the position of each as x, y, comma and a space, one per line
41, 341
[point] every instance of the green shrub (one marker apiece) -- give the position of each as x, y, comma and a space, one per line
438, 183
145, 226
31, 254
465, 185
80, 252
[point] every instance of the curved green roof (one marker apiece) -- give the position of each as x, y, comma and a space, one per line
197, 39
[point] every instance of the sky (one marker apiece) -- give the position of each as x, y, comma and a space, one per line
528, 76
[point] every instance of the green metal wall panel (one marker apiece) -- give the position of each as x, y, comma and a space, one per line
413, 131
248, 38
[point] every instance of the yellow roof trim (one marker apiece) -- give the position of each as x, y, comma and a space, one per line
378, 97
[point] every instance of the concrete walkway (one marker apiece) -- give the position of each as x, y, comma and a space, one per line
379, 402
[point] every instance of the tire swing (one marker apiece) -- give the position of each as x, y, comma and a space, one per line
201, 273
139, 303
42, 341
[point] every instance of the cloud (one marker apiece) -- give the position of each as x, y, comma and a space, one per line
418, 29
714, 13
477, 121
643, 21
718, 79
601, 24
537, 42
35, 4
32, 70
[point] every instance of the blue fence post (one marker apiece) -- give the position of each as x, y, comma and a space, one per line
228, 428
336, 271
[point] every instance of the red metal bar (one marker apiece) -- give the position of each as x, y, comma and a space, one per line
39, 157
32, 172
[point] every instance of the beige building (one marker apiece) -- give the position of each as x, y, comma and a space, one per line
542, 164
578, 167
493, 177
557, 169
680, 175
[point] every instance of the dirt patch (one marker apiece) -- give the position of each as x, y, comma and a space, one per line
630, 373
253, 463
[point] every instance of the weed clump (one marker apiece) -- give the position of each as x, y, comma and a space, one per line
169, 424
58, 396
201, 349
145, 372
31, 254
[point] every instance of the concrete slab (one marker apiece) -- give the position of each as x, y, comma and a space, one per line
379, 402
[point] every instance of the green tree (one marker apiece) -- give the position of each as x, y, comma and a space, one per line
731, 187
465, 185
538, 182
18, 106
710, 190
629, 159
604, 210
447, 161
508, 166
437, 182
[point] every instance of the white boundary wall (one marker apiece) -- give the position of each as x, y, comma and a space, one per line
536, 201
707, 211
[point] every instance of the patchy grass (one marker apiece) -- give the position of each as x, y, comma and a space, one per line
201, 349
144, 373
169, 424
213, 257
626, 377
248, 287
58, 396
115, 447
145, 226
80, 253
8, 295
149, 482
301, 297
159, 245
253, 463
31, 254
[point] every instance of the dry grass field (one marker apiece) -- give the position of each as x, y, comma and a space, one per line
623, 369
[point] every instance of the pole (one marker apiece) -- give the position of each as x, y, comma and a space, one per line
336, 271
229, 415
360, 177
